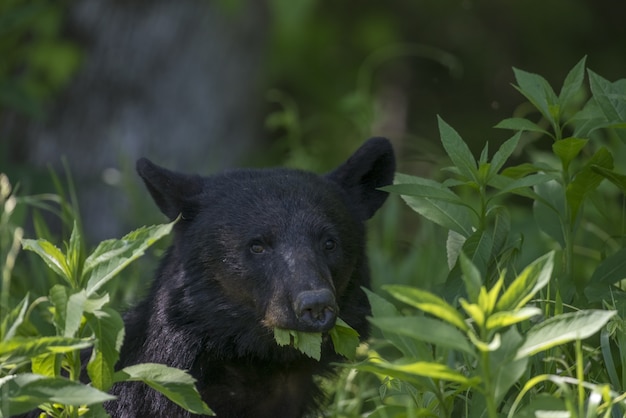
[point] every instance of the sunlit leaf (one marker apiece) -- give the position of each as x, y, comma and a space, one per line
427, 302
18, 348
345, 339
112, 256
563, 328
24, 392
531, 280
52, 256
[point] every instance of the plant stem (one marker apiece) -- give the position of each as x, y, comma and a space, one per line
489, 393
580, 375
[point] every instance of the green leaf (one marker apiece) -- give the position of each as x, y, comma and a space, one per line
503, 154
112, 256
12, 320
504, 370
75, 253
428, 303
24, 392
454, 247
478, 248
507, 318
108, 328
611, 270
177, 385
573, 82
567, 149
611, 97
51, 255
457, 150
538, 92
563, 328
409, 372
471, 277
20, 348
345, 339
308, 343
521, 124
616, 178
426, 189
520, 186
450, 216
530, 281
548, 210
587, 180
432, 331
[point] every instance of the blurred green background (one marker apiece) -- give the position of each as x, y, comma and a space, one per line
205, 84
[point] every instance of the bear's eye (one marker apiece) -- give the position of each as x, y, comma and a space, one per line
257, 248
330, 244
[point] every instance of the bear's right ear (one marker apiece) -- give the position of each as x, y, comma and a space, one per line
174, 193
371, 166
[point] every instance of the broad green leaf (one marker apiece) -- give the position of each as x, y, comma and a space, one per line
588, 119
177, 385
567, 149
12, 320
530, 281
421, 328
112, 256
573, 82
52, 256
521, 124
457, 150
75, 309
59, 296
507, 318
521, 170
587, 180
500, 229
345, 339
409, 372
24, 392
48, 364
539, 92
610, 270
503, 154
108, 328
616, 178
563, 328
611, 97
18, 348
471, 277
428, 303
308, 343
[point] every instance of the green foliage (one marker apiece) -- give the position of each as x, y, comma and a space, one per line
43, 371
500, 338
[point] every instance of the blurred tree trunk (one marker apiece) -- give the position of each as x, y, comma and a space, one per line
180, 82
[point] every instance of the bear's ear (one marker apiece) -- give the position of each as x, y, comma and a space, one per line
174, 193
370, 167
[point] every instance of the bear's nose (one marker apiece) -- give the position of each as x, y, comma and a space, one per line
316, 310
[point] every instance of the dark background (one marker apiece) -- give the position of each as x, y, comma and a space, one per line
200, 85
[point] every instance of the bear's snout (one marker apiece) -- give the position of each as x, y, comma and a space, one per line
316, 310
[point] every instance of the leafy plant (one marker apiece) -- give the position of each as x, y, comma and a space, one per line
45, 371
462, 353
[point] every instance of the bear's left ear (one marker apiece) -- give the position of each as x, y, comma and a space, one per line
370, 167
174, 193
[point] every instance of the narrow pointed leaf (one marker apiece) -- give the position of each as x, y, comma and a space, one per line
611, 270
530, 281
503, 153
573, 82
538, 91
12, 321
507, 318
428, 303
18, 348
471, 277
521, 124
457, 150
616, 178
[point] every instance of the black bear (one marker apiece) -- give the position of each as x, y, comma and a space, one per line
254, 249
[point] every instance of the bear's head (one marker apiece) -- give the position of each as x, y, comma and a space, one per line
273, 247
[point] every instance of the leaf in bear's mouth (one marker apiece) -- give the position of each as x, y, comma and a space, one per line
345, 340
